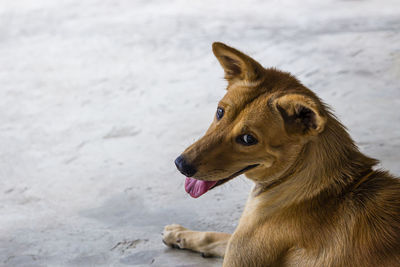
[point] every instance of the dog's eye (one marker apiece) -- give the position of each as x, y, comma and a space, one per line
220, 113
246, 139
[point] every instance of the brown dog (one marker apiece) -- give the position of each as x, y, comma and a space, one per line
316, 200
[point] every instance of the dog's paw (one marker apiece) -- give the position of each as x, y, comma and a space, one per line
172, 236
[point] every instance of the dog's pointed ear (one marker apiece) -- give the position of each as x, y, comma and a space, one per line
301, 114
237, 66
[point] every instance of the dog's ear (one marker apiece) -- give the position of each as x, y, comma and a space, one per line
237, 66
301, 114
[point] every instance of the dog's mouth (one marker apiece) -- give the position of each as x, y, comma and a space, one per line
197, 187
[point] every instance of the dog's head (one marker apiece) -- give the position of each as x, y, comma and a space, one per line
260, 126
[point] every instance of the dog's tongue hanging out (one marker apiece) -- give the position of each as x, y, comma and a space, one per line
197, 187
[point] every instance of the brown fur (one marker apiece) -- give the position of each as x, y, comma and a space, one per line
316, 201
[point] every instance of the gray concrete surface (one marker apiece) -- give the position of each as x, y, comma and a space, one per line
97, 98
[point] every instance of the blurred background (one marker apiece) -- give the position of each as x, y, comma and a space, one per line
97, 98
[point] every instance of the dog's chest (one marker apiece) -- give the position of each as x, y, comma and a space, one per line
261, 237
261, 247
254, 241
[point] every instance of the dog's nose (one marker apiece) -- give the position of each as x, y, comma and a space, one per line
185, 168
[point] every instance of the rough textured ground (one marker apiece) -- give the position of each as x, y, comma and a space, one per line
97, 98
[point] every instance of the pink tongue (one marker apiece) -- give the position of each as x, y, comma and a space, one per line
197, 187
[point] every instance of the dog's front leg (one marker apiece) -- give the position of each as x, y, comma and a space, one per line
209, 244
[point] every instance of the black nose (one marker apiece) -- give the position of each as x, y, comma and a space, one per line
185, 168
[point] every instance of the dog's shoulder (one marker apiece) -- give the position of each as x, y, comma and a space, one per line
377, 215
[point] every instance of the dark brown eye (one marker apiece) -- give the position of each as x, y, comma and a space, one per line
246, 140
220, 113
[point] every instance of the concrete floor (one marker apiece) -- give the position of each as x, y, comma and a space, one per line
97, 98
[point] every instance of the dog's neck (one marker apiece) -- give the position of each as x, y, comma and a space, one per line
327, 166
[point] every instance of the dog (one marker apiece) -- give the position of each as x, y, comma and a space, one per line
316, 200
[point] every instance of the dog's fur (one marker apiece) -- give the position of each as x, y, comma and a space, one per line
316, 200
